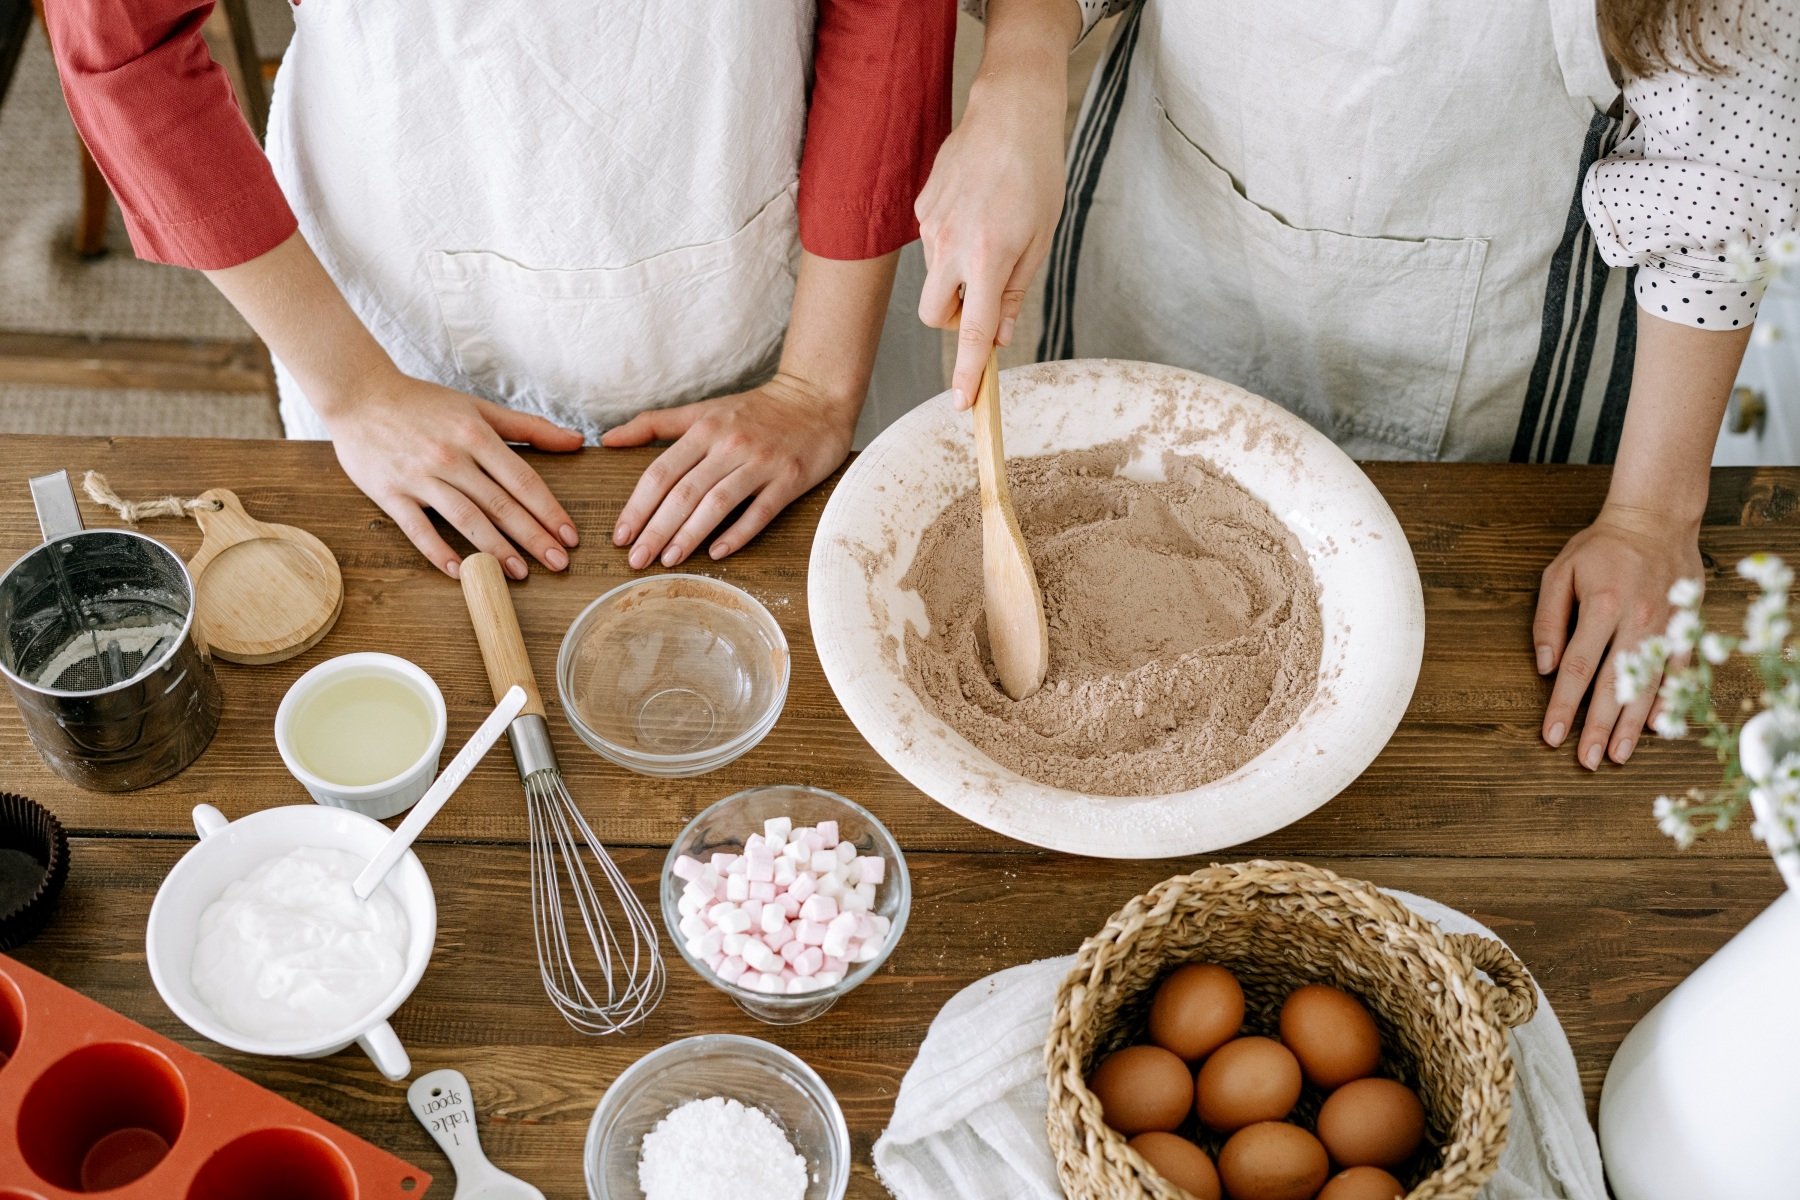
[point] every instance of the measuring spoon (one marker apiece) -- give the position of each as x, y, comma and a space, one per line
445, 1106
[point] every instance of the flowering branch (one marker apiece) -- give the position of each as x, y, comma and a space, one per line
1685, 656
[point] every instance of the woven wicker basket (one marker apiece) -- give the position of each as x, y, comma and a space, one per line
1278, 925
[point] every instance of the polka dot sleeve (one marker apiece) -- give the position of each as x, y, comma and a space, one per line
1708, 173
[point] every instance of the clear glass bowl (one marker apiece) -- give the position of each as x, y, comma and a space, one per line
673, 675
745, 1069
724, 827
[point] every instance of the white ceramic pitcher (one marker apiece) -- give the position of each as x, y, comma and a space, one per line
1703, 1096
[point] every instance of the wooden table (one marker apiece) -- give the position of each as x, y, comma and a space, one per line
1465, 805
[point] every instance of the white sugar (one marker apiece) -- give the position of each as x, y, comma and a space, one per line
719, 1147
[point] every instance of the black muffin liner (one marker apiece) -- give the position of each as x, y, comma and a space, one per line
29, 826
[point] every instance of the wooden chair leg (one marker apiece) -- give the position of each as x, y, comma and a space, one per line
233, 45
96, 207
15, 23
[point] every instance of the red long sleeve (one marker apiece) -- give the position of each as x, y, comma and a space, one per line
159, 118
880, 110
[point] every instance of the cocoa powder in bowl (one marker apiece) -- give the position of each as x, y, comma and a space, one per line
1184, 626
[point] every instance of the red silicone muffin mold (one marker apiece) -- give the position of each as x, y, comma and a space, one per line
92, 1103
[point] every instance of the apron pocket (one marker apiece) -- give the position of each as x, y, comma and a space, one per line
1362, 336
591, 347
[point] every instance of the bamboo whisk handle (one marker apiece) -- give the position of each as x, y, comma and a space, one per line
497, 630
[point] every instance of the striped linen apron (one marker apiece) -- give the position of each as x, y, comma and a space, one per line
1369, 212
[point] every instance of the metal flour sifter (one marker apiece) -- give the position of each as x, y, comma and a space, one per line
97, 641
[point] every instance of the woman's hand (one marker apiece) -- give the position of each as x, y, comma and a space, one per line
769, 445
1613, 578
412, 445
988, 213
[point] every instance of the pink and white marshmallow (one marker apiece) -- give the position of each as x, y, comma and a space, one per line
791, 914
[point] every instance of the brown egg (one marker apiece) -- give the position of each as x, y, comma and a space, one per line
1363, 1183
1245, 1081
1180, 1162
1196, 1010
1332, 1035
1142, 1088
1372, 1123
1273, 1161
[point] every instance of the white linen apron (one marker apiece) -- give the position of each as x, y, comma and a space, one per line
577, 209
1367, 211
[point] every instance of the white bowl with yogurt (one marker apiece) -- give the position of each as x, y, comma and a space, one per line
226, 886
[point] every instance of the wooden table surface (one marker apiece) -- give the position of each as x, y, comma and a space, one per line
1465, 805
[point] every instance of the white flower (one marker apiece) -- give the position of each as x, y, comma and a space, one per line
1767, 571
1784, 248
1766, 624
1663, 806
1715, 648
1631, 675
1670, 724
1784, 780
1685, 593
1673, 822
1684, 629
1635, 671
1740, 258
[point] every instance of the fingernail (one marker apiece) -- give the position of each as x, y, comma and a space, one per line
671, 556
1556, 734
1006, 331
1590, 758
719, 550
621, 534
639, 556
453, 568
556, 558
570, 538
1623, 753
962, 400
1545, 660
516, 568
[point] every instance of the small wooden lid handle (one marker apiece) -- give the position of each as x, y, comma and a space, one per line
497, 630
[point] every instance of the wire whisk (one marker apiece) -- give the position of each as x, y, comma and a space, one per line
617, 980
629, 961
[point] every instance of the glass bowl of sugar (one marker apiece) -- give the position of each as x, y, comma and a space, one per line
836, 869
718, 1115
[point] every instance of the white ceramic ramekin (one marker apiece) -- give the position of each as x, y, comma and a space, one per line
390, 797
226, 853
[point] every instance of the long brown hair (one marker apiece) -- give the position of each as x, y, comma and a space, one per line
1648, 36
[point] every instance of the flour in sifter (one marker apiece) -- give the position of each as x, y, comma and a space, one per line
720, 1147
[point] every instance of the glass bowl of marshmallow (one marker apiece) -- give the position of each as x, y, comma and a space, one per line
785, 898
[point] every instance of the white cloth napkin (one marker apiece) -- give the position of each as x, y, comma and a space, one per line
969, 1120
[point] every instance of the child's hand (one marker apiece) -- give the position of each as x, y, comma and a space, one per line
411, 445
773, 442
1614, 578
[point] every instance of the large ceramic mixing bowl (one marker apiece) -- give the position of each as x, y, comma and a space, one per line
1372, 610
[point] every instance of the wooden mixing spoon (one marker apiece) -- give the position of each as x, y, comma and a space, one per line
1018, 635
